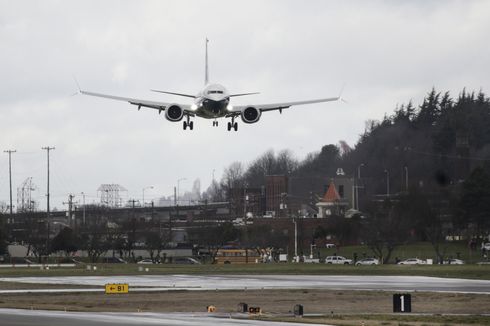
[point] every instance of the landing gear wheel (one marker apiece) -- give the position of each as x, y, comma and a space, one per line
235, 126
229, 126
185, 125
191, 125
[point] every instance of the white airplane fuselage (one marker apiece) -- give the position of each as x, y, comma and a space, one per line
212, 102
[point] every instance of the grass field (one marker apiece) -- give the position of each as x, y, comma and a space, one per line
421, 250
454, 271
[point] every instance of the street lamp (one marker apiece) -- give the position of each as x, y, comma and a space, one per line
149, 187
358, 182
178, 189
295, 241
387, 183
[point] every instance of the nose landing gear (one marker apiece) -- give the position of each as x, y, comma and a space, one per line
215, 123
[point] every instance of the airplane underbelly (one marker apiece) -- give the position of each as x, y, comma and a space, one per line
213, 109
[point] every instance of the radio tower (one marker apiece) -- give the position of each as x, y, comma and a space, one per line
109, 195
25, 203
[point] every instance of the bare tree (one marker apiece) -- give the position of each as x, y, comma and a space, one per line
156, 241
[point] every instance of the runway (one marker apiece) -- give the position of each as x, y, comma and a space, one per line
240, 282
17, 317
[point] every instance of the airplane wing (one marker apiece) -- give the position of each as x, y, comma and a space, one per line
160, 106
280, 106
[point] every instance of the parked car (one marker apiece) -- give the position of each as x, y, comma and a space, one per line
338, 260
186, 260
147, 262
453, 262
329, 245
368, 261
113, 260
486, 246
412, 261
309, 260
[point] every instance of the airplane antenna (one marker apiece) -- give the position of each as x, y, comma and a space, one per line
206, 73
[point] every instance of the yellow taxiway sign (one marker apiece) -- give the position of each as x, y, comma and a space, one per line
116, 288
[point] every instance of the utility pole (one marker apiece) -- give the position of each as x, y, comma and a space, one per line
83, 219
10, 176
47, 149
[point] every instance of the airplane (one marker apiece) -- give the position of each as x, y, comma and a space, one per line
212, 102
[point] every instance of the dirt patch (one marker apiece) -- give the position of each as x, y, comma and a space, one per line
271, 301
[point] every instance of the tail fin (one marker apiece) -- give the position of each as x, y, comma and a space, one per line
206, 72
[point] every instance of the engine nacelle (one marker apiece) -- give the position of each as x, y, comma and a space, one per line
251, 115
174, 113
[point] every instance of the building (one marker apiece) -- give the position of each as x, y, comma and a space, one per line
276, 190
332, 203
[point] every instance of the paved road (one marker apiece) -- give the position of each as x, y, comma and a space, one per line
231, 282
15, 317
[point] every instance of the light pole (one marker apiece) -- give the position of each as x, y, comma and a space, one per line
295, 240
358, 182
178, 189
144, 188
387, 183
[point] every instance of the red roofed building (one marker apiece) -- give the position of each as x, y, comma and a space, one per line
331, 203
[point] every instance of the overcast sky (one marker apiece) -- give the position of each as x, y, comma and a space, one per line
386, 52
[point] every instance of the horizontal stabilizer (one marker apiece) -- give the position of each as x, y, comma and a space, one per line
243, 94
172, 93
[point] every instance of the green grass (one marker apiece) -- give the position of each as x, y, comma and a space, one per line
453, 271
421, 250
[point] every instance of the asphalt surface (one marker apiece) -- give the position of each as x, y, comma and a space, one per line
239, 282
16, 317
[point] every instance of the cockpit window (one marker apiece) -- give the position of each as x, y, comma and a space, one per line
215, 92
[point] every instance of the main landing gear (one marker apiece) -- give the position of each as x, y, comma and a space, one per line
233, 125
188, 123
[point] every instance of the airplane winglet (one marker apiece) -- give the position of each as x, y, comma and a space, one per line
78, 86
340, 94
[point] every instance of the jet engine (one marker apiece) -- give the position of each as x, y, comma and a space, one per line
251, 115
174, 113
